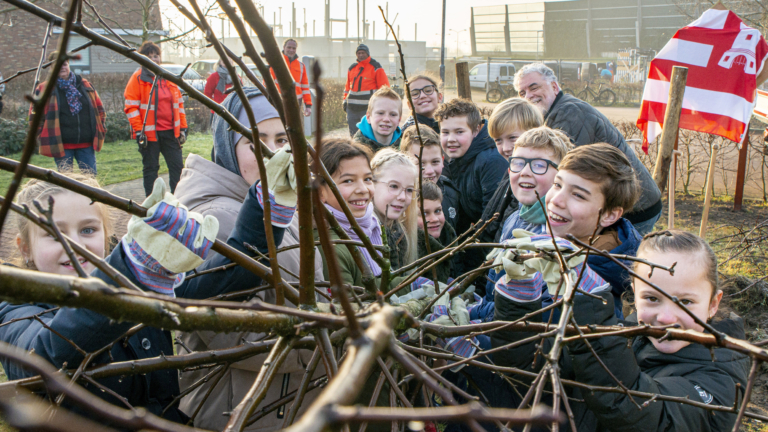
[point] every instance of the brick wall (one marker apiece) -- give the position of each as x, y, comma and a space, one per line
21, 33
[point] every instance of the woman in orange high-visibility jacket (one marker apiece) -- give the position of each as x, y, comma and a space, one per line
363, 79
159, 126
298, 72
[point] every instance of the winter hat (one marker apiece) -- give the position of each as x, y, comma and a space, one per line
363, 47
225, 139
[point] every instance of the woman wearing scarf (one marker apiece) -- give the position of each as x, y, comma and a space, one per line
74, 122
217, 84
156, 114
219, 188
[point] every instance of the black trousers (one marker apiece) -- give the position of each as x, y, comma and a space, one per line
168, 145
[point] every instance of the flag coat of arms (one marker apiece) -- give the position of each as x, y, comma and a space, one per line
724, 57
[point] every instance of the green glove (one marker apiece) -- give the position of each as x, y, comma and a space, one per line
459, 311
504, 257
282, 177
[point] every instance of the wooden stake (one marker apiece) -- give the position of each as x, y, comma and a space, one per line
708, 196
671, 125
462, 80
672, 188
741, 171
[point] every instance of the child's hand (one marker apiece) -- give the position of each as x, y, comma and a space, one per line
168, 242
282, 183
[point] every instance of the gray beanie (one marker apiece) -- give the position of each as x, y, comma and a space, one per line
225, 139
363, 47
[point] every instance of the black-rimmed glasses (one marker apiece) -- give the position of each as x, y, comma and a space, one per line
538, 165
428, 90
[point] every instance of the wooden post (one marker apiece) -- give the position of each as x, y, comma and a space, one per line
462, 80
741, 172
671, 125
708, 196
671, 189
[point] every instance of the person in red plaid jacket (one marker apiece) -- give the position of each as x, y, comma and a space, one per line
74, 122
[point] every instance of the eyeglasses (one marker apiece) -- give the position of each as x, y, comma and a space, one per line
395, 189
428, 90
538, 166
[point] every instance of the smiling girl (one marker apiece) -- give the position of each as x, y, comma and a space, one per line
670, 367
425, 92
85, 223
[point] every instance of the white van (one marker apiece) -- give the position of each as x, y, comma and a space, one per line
478, 76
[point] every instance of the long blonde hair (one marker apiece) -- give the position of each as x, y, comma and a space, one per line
388, 158
40, 191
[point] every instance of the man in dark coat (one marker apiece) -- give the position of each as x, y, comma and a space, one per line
585, 125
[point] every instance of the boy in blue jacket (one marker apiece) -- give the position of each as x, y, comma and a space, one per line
380, 126
476, 168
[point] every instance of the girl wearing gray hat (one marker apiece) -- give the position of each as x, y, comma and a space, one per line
219, 188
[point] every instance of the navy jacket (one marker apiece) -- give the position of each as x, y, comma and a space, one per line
612, 273
693, 372
476, 176
91, 331
450, 200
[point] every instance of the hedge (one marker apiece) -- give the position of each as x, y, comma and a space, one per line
14, 132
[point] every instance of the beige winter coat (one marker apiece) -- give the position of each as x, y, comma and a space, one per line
210, 189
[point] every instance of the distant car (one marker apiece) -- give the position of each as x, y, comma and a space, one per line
190, 77
479, 75
204, 67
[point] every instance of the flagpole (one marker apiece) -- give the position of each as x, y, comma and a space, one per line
710, 187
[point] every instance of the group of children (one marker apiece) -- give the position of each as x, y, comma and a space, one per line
530, 174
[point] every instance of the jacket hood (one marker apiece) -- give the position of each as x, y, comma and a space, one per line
367, 130
204, 181
612, 273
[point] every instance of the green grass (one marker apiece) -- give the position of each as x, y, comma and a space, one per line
119, 161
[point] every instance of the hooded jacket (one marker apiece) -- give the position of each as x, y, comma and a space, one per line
585, 125
476, 176
694, 372
613, 273
90, 330
366, 137
210, 189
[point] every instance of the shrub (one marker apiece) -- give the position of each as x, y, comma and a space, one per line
334, 116
12, 135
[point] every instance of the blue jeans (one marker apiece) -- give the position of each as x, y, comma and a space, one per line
647, 226
86, 160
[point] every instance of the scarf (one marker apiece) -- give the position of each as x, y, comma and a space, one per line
534, 213
73, 96
224, 79
367, 130
370, 226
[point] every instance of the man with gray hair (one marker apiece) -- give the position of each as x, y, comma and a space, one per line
585, 125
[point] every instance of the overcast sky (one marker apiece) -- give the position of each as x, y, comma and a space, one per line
428, 14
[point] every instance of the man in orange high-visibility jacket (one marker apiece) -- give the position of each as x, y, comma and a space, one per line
363, 79
159, 118
299, 74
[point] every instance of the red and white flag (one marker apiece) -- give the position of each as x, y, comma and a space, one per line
723, 57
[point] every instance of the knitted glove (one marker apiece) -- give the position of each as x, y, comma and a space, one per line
168, 242
445, 316
282, 183
549, 268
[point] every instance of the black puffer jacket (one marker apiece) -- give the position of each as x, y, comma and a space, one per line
502, 202
476, 176
585, 125
689, 373
450, 200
